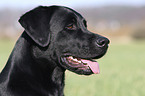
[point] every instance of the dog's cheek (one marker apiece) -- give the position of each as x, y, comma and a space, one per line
62, 42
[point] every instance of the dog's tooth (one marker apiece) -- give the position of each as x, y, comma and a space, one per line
70, 57
75, 60
79, 61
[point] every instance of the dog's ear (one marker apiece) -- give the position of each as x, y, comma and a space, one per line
36, 24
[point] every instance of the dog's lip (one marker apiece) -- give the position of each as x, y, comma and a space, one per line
73, 63
82, 64
92, 58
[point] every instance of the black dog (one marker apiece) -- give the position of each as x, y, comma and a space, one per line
55, 39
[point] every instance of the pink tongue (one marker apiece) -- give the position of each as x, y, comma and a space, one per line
94, 66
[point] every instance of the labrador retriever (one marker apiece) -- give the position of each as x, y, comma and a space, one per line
55, 38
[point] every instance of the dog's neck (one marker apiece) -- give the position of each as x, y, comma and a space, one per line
35, 79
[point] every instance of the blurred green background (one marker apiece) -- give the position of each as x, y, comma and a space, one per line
123, 22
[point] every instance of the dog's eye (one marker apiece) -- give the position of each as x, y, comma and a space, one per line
70, 26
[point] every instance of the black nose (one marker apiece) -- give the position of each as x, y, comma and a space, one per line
102, 41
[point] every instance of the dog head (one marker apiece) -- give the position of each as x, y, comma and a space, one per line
61, 35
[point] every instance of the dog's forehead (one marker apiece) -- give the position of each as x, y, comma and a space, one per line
73, 12
65, 12
61, 16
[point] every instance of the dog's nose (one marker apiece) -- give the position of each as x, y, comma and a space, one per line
101, 42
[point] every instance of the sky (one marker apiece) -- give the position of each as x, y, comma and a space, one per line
69, 3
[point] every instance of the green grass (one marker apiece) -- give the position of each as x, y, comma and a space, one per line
122, 72
6, 47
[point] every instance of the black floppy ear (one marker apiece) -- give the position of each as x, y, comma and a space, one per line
36, 24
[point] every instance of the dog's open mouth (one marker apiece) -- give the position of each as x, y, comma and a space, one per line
82, 64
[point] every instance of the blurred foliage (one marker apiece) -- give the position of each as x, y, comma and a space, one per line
139, 34
113, 21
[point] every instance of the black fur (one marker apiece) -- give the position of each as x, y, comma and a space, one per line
35, 66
